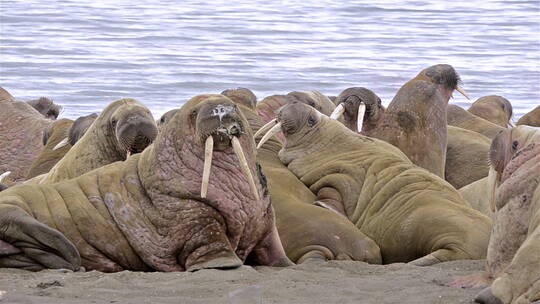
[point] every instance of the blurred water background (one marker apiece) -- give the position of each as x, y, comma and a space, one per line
86, 54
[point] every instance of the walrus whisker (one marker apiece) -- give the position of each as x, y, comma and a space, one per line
237, 147
462, 91
276, 129
61, 144
208, 150
338, 111
264, 128
4, 176
360, 119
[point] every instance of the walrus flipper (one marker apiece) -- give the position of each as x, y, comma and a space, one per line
270, 252
41, 246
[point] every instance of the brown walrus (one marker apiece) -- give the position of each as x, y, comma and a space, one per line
306, 231
241, 96
124, 127
160, 209
57, 141
493, 108
361, 109
165, 118
513, 256
415, 120
412, 214
531, 119
458, 117
21, 128
46, 107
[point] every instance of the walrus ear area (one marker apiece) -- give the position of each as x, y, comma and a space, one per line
443, 74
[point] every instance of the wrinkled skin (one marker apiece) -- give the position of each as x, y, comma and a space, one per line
46, 107
459, 117
307, 231
531, 119
415, 120
466, 157
493, 108
146, 212
58, 132
125, 126
410, 213
269, 106
351, 98
513, 257
242, 96
21, 129
165, 118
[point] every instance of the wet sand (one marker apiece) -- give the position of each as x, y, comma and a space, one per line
312, 282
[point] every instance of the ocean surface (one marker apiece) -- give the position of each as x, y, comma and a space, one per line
86, 54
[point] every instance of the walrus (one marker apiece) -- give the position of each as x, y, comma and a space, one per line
21, 128
513, 256
493, 108
459, 117
57, 141
466, 157
241, 96
531, 119
4, 176
158, 210
361, 109
165, 118
476, 194
413, 215
123, 128
415, 120
46, 107
306, 231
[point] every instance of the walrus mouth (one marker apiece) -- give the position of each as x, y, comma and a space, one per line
230, 137
273, 127
135, 145
340, 109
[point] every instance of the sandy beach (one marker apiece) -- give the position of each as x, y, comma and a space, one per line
312, 282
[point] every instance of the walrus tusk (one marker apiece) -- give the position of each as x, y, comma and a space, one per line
491, 186
269, 134
4, 175
264, 128
360, 119
338, 111
61, 144
462, 91
511, 123
208, 150
244, 165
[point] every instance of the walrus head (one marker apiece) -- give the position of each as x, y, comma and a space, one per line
242, 96
46, 107
314, 99
358, 106
496, 109
296, 120
133, 127
520, 142
75, 132
445, 76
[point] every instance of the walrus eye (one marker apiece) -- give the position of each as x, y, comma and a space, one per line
311, 121
515, 145
113, 122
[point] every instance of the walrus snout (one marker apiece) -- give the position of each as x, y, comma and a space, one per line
135, 132
220, 126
